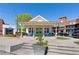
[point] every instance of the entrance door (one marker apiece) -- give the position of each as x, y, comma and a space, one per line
39, 30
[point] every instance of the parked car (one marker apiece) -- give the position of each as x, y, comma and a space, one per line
63, 34
50, 34
75, 35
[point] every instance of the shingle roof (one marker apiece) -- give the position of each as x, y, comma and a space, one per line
33, 23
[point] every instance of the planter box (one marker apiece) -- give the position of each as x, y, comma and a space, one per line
10, 45
40, 50
9, 48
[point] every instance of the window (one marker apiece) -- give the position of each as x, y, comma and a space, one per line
46, 30
9, 30
30, 30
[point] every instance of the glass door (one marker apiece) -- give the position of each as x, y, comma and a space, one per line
39, 31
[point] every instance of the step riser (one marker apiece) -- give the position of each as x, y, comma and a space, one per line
64, 52
55, 50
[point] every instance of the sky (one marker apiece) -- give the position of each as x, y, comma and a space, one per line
50, 11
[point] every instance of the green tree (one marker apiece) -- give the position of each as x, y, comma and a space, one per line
23, 18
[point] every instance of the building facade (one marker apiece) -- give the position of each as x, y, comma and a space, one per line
42, 25
6, 28
76, 29
38, 25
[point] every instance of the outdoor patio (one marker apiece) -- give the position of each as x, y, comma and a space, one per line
56, 46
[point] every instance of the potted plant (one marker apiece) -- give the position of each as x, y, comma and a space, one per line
41, 47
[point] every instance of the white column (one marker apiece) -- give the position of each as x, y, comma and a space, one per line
43, 32
34, 31
27, 30
14, 31
56, 32
50, 29
3, 32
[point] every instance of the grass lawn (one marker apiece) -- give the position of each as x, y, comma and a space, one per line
10, 35
62, 37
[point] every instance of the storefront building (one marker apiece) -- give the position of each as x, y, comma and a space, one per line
47, 28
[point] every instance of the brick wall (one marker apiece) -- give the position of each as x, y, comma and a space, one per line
64, 21
1, 24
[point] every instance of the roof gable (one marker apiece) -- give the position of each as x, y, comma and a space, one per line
39, 19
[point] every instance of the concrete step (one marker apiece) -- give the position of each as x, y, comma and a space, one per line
53, 50
23, 51
64, 47
67, 50
49, 53
56, 50
6, 53
26, 49
63, 51
60, 53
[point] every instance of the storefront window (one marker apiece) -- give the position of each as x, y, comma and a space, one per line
30, 30
46, 30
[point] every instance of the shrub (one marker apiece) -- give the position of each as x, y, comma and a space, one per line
10, 35
41, 40
18, 33
61, 37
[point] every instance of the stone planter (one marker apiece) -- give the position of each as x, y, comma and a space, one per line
40, 50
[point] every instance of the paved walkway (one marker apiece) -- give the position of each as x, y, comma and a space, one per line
56, 47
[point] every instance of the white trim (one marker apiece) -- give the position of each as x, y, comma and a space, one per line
42, 18
27, 30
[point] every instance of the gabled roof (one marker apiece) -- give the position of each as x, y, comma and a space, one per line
37, 24
39, 19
